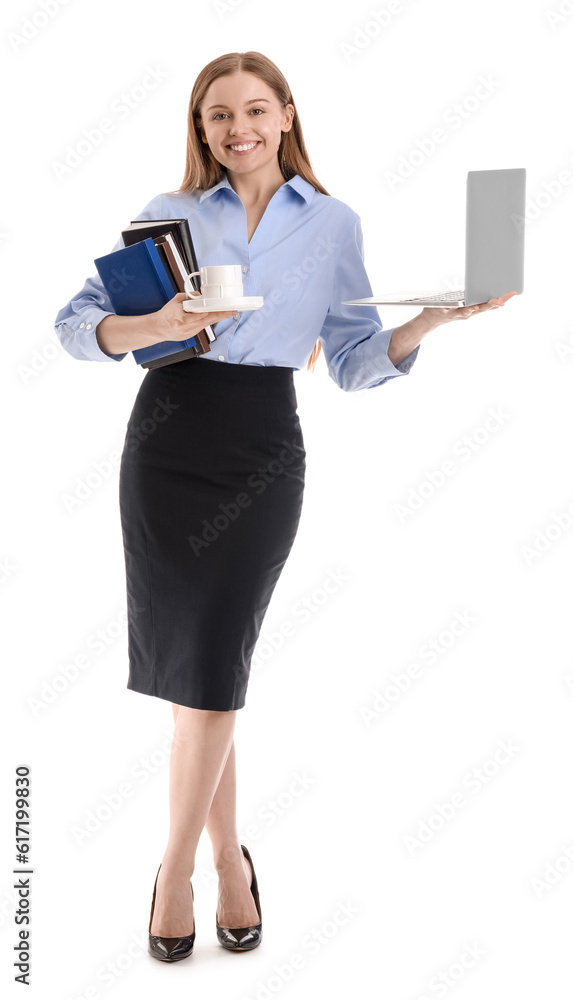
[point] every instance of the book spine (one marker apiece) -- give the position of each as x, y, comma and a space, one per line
164, 282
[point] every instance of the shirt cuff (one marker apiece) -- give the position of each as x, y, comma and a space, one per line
78, 337
380, 365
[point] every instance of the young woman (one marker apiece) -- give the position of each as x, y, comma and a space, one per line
211, 493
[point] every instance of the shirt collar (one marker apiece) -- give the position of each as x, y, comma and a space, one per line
297, 183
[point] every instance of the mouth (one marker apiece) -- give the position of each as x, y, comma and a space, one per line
243, 148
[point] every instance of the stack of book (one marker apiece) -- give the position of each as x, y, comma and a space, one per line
145, 274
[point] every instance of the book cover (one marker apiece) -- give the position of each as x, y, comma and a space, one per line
137, 283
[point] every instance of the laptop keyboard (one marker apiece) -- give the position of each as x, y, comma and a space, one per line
441, 297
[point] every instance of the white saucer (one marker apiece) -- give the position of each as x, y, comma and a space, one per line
239, 304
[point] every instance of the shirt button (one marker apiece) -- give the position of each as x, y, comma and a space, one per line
88, 326
221, 357
245, 269
82, 326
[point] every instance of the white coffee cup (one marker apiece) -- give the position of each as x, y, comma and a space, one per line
223, 281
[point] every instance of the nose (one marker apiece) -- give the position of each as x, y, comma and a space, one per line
239, 127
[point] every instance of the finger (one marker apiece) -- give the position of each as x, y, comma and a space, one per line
214, 317
501, 300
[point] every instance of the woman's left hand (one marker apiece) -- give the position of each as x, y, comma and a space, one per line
439, 316
406, 337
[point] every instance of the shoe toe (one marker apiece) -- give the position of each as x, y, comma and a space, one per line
170, 949
239, 938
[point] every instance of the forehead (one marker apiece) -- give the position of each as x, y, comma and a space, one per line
238, 88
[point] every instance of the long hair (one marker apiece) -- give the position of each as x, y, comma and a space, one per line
203, 171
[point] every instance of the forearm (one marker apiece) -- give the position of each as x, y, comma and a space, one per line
406, 337
121, 334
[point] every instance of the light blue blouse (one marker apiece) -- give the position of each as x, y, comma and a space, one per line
305, 257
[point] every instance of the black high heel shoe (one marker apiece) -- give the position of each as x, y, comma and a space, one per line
169, 949
243, 938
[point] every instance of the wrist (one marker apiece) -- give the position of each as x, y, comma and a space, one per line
419, 325
151, 328
408, 336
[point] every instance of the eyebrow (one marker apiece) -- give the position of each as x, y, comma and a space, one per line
256, 100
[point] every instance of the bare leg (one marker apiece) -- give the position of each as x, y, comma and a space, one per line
235, 903
201, 744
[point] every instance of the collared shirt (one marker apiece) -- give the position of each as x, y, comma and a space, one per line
305, 258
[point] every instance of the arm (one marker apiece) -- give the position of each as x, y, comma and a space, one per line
408, 336
120, 334
78, 324
359, 353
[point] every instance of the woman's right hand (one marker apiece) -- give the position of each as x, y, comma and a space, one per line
173, 323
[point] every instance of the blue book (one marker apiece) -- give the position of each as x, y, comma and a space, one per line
137, 283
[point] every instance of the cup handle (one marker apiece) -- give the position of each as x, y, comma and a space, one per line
189, 284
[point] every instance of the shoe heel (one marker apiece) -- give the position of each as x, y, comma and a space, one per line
243, 938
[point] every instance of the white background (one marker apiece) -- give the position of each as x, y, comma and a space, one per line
494, 876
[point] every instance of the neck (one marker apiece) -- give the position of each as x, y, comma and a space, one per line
259, 185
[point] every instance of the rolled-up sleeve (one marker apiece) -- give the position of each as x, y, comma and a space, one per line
354, 342
77, 321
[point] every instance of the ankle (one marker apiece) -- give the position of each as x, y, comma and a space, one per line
175, 871
227, 856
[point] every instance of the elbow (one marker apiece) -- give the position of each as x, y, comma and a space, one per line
354, 383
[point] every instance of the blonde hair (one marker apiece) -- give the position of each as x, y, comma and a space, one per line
203, 171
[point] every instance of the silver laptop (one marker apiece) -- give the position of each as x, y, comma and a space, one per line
495, 224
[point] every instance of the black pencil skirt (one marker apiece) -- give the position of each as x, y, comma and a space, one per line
210, 488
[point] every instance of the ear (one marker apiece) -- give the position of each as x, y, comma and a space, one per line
290, 112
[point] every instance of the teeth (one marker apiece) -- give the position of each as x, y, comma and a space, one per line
248, 145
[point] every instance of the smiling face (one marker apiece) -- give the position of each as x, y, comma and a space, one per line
242, 121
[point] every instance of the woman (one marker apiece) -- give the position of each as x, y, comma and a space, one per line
229, 442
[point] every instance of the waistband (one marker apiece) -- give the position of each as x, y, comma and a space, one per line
225, 371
